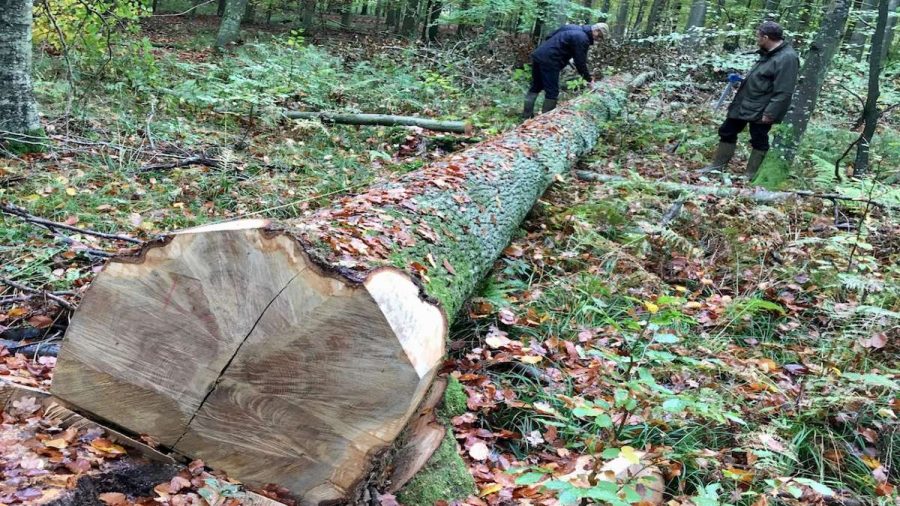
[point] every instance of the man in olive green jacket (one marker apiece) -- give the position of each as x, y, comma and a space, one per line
762, 100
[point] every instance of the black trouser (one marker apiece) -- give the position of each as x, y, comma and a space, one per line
759, 132
546, 79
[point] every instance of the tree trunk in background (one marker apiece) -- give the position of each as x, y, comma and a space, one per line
697, 16
364, 9
653, 18
587, 18
19, 120
771, 10
621, 24
230, 26
857, 41
695, 22
309, 14
410, 18
250, 12
220, 8
639, 18
540, 21
558, 16
434, 14
870, 111
605, 8
155, 7
889, 30
812, 76
461, 26
346, 15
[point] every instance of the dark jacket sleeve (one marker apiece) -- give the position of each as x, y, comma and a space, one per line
784, 83
582, 44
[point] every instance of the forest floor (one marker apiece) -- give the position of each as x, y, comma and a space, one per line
745, 352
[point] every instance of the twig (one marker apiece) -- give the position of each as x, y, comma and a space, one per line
837, 163
193, 160
52, 225
70, 96
673, 212
183, 13
62, 302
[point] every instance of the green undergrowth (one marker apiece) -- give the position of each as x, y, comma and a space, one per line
746, 350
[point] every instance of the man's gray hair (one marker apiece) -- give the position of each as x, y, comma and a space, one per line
603, 28
771, 30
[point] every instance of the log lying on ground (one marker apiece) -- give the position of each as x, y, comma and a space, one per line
460, 127
759, 195
294, 353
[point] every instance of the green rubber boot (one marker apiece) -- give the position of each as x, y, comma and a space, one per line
756, 159
724, 154
549, 105
528, 110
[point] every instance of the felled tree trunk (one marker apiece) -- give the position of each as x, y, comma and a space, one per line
295, 353
20, 129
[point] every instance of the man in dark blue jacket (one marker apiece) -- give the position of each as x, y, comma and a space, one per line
571, 42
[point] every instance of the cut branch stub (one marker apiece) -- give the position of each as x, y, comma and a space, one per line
226, 343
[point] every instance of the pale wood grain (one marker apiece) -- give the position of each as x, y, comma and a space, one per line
227, 344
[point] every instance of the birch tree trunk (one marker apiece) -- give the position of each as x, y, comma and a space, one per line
870, 111
230, 26
20, 127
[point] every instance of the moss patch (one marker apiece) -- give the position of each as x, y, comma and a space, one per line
455, 399
773, 172
444, 477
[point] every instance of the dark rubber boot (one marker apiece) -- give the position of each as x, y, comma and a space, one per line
528, 110
756, 159
549, 105
724, 154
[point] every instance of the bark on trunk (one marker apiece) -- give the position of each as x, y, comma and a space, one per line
870, 111
812, 76
771, 10
230, 26
621, 25
656, 10
322, 334
434, 13
410, 18
309, 14
860, 32
20, 128
696, 20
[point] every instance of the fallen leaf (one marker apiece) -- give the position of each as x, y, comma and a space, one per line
71, 191
493, 488
507, 316
40, 321
479, 451
113, 499
58, 443
107, 446
884, 489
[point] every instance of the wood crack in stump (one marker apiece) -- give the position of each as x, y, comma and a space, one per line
230, 360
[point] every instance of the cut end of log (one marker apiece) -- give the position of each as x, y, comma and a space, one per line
227, 343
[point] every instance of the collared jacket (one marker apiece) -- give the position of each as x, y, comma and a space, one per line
768, 87
571, 42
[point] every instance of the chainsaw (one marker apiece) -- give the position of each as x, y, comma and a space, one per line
734, 82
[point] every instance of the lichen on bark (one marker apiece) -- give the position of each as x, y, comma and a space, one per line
20, 127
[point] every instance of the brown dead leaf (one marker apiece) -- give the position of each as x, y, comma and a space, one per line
875, 341
507, 316
884, 489
113, 499
106, 446
40, 321
58, 443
